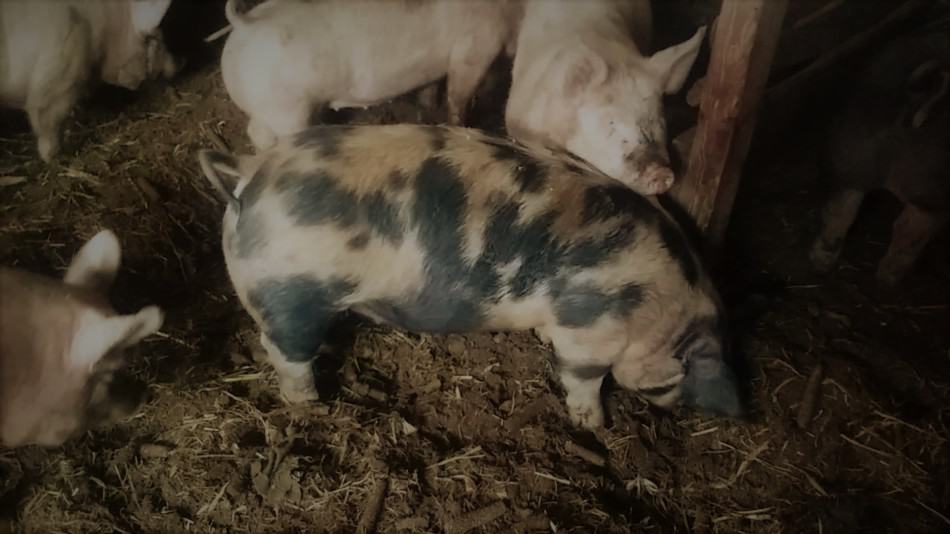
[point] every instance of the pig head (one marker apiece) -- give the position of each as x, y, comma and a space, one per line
133, 49
60, 342
588, 89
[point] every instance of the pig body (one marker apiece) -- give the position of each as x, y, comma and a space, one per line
59, 343
51, 51
581, 82
893, 133
444, 229
286, 60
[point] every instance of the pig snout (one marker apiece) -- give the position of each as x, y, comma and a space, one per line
657, 179
649, 172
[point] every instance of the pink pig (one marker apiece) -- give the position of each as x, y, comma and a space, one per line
50, 50
59, 343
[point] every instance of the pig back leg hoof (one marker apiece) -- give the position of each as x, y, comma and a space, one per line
48, 147
298, 391
822, 256
890, 273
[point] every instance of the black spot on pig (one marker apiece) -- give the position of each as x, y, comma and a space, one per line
604, 202
577, 306
325, 139
452, 288
675, 242
297, 311
628, 299
398, 180
382, 216
358, 242
528, 173
317, 199
580, 306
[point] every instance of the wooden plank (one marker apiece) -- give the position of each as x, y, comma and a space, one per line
743, 44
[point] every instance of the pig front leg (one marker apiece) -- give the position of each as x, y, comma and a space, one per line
837, 216
46, 118
582, 386
295, 377
468, 63
912, 230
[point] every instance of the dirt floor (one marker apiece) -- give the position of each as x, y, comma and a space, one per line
450, 433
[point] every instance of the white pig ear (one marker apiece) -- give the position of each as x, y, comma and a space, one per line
147, 14
584, 69
101, 335
674, 63
96, 263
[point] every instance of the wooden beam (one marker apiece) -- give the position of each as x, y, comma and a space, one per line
743, 45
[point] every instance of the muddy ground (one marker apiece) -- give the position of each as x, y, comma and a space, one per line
446, 433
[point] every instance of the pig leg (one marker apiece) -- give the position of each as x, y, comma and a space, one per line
260, 135
468, 63
912, 230
295, 378
837, 216
47, 120
282, 120
582, 385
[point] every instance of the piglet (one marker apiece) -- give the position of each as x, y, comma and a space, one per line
445, 229
60, 342
581, 82
285, 61
51, 50
892, 133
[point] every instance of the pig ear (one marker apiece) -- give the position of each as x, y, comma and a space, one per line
147, 14
711, 387
99, 336
96, 263
221, 169
583, 70
674, 63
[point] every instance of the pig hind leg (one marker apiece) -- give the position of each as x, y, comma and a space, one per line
912, 230
837, 216
469, 60
295, 377
56, 85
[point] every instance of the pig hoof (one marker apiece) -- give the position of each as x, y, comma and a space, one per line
888, 276
48, 148
589, 418
822, 258
299, 394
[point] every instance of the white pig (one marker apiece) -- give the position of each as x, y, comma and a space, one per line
59, 342
50, 50
580, 82
286, 60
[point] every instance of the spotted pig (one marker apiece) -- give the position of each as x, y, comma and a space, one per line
893, 133
287, 60
444, 229
60, 342
581, 81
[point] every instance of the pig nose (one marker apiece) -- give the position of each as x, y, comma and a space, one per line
657, 179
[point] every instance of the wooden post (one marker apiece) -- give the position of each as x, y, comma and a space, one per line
743, 44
